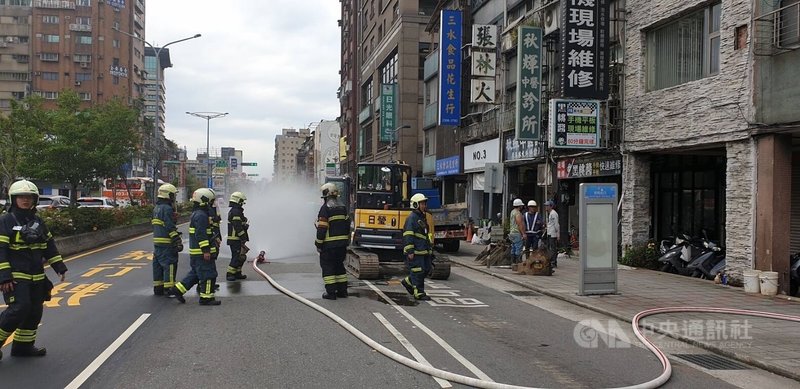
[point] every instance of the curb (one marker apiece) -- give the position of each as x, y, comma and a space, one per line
739, 357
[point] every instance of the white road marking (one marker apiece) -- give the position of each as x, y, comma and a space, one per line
89, 370
410, 347
460, 358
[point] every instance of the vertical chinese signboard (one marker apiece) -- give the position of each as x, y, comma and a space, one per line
529, 84
388, 111
574, 123
584, 49
450, 68
484, 63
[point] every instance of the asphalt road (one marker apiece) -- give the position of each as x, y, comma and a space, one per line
259, 337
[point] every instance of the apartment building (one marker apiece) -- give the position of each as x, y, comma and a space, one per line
287, 145
15, 52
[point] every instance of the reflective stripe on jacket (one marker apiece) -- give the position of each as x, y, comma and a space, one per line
165, 232
199, 237
237, 224
24, 261
416, 238
333, 227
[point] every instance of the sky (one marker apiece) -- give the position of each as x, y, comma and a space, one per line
269, 64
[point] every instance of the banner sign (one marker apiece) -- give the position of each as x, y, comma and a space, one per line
478, 155
388, 112
484, 36
450, 68
448, 166
515, 149
584, 49
529, 84
576, 168
574, 124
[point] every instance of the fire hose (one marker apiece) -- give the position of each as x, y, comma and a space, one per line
478, 383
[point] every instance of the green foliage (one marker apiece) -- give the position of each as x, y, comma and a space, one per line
72, 221
644, 256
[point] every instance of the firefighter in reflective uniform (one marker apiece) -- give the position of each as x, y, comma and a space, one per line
333, 233
237, 236
201, 253
166, 240
25, 246
417, 248
214, 223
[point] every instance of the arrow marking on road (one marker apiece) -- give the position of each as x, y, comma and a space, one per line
89, 370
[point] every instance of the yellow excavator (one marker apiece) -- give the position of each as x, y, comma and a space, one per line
379, 209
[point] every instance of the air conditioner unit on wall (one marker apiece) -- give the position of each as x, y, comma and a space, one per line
552, 17
84, 65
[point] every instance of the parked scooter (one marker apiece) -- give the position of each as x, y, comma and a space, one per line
677, 256
702, 265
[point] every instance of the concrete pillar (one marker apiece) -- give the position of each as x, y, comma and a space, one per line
739, 212
773, 202
636, 213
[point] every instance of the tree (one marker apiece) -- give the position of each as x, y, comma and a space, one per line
18, 134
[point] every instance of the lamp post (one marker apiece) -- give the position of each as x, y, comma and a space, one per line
391, 140
157, 50
208, 116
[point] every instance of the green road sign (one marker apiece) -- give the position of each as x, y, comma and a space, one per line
249, 164
221, 163
171, 162
252, 175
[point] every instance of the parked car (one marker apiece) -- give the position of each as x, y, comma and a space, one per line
52, 202
96, 202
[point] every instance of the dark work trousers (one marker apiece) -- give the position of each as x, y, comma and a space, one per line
24, 312
418, 268
552, 245
203, 274
165, 265
334, 275
235, 267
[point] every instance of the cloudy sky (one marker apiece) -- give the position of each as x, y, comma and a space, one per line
269, 64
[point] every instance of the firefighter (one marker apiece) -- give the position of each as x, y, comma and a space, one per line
333, 233
166, 240
237, 236
417, 248
201, 253
214, 223
25, 245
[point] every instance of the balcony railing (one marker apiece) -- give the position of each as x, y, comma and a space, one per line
486, 126
80, 27
54, 4
778, 31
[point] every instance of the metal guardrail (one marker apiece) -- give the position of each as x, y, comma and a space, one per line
777, 31
80, 27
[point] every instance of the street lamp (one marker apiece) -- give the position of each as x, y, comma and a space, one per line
208, 116
391, 140
158, 99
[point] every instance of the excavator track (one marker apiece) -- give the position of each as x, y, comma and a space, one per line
363, 264
441, 267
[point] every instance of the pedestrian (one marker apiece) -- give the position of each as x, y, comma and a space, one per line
26, 245
333, 233
417, 247
202, 252
166, 240
533, 226
553, 231
516, 232
237, 236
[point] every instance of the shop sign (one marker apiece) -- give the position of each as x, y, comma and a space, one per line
574, 168
478, 155
584, 48
529, 87
450, 68
448, 166
388, 111
574, 124
523, 149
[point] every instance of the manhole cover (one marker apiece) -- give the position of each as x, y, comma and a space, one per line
712, 362
523, 293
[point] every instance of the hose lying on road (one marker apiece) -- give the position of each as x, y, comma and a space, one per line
465, 380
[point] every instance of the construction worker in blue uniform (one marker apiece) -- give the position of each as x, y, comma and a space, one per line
166, 240
333, 234
417, 248
25, 246
237, 236
202, 252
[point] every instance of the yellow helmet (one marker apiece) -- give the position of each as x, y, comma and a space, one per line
203, 196
167, 191
329, 190
23, 187
238, 198
416, 199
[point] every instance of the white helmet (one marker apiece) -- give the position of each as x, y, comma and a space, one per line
238, 198
416, 199
518, 203
23, 187
329, 190
203, 196
167, 191
532, 204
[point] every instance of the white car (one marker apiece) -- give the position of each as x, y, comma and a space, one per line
96, 202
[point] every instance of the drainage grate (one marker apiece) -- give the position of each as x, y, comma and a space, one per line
523, 293
712, 362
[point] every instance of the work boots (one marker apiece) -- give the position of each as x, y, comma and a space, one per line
209, 301
174, 292
28, 350
341, 290
230, 277
240, 276
158, 290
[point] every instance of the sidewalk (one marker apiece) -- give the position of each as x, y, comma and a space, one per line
769, 344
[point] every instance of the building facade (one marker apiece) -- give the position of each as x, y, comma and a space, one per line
326, 150
287, 145
15, 52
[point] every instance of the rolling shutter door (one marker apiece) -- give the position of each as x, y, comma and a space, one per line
794, 233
